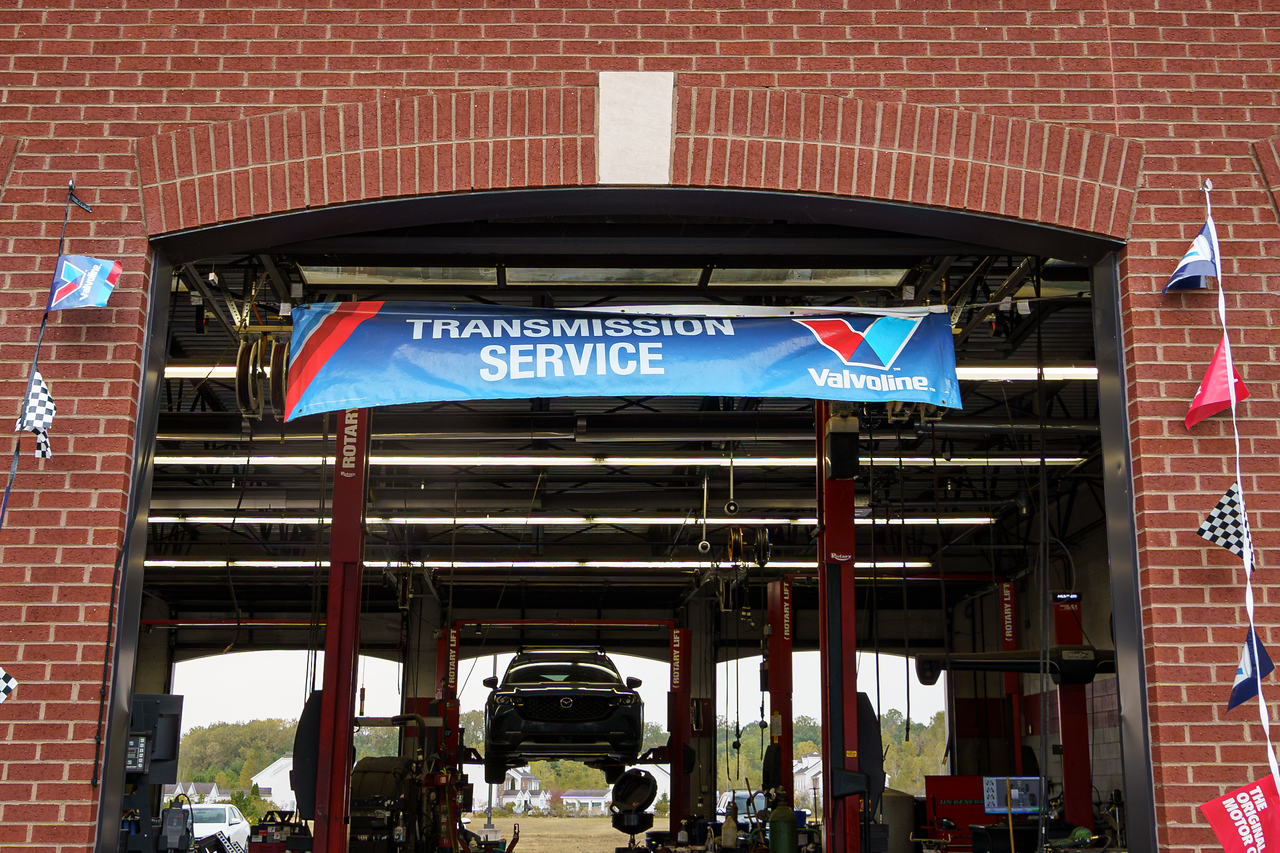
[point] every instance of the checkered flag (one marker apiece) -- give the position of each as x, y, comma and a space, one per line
37, 417
7, 684
1227, 525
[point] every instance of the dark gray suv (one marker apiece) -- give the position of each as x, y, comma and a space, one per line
562, 703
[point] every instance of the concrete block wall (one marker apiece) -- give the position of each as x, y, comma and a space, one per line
1076, 113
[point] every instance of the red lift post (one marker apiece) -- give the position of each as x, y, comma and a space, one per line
1073, 719
680, 719
445, 705
1012, 681
780, 710
838, 644
342, 633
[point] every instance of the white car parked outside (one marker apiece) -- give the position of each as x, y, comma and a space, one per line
212, 818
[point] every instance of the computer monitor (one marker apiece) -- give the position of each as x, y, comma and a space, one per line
1017, 794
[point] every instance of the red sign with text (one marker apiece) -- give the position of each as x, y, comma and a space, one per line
1247, 820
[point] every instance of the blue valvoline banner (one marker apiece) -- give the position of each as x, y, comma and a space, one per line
362, 354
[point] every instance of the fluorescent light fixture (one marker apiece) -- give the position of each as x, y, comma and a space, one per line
919, 521
971, 461
554, 461
243, 460
200, 371
547, 460
798, 565
1057, 373
998, 373
570, 520
235, 519
537, 520
990, 373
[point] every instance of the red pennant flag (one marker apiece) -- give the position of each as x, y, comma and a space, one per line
1214, 396
1246, 819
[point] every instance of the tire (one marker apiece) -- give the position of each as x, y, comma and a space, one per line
495, 768
613, 771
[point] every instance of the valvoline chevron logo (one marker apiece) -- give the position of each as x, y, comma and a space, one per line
863, 341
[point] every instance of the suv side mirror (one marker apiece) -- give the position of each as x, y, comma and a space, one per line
633, 682
490, 682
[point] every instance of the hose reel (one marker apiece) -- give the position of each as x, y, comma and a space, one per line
255, 382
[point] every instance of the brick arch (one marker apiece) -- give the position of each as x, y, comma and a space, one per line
461, 141
1017, 168
317, 157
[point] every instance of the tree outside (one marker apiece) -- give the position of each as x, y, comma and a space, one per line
229, 754
907, 760
251, 804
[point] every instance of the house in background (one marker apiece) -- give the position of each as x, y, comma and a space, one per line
272, 781
522, 791
274, 784
168, 792
207, 792
197, 792
806, 774
579, 801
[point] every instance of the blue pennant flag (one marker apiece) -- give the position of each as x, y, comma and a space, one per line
1246, 684
1200, 261
81, 282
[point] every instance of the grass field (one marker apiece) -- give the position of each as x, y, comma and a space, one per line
560, 834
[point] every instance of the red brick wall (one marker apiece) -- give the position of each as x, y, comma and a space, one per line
1067, 111
317, 156
995, 164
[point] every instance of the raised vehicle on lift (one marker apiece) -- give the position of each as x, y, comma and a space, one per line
562, 702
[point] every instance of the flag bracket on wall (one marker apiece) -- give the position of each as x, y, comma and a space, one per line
1202, 260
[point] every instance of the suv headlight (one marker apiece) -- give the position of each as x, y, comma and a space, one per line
627, 699
502, 699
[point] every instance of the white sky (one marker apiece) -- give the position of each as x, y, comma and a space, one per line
260, 685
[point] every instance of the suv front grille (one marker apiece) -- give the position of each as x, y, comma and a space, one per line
552, 709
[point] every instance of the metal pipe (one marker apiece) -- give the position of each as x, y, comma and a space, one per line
226, 623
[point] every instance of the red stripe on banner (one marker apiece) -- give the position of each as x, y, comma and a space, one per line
63, 292
322, 344
835, 335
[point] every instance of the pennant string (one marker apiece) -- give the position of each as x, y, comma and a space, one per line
1247, 545
35, 357
13, 470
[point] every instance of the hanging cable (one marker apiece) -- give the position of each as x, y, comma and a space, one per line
231, 584
906, 631
942, 582
1043, 557
875, 570
313, 629
506, 581
737, 703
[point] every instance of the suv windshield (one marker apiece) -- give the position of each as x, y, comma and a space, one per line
209, 815
556, 673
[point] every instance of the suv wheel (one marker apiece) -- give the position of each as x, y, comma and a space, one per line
613, 771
